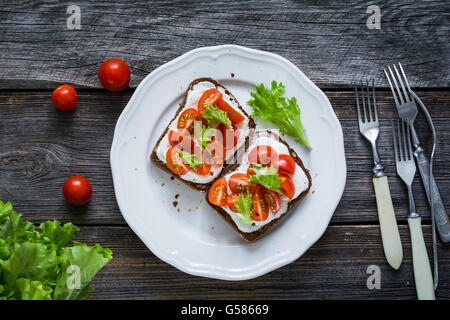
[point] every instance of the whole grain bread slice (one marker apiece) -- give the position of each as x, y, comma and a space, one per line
154, 157
255, 235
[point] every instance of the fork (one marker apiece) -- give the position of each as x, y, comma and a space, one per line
370, 129
407, 111
406, 169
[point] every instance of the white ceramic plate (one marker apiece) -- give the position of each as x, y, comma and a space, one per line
191, 236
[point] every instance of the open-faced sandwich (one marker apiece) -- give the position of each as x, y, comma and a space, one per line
258, 191
206, 131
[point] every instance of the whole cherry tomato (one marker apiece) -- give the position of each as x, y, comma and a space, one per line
77, 190
64, 98
114, 75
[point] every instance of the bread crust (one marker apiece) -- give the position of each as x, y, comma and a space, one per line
255, 235
154, 157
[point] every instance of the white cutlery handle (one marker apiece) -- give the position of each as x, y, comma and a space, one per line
388, 224
421, 264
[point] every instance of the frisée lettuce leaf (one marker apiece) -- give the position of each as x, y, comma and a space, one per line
270, 105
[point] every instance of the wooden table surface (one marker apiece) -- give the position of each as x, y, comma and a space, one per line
328, 40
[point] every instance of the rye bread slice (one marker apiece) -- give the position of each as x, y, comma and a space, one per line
154, 157
255, 235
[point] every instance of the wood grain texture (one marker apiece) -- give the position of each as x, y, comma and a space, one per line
328, 40
334, 268
40, 147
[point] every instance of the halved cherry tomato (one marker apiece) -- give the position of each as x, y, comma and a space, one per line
272, 199
250, 171
214, 153
287, 186
182, 140
285, 164
239, 184
259, 208
230, 137
217, 194
175, 162
235, 116
263, 154
231, 200
187, 118
64, 97
211, 96
203, 169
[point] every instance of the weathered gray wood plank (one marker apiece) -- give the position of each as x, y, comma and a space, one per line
40, 147
328, 40
334, 268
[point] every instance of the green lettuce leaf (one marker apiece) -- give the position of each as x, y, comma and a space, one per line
271, 106
88, 261
34, 263
214, 117
33, 290
244, 205
267, 176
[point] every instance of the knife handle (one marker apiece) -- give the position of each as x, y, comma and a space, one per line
421, 264
441, 218
390, 236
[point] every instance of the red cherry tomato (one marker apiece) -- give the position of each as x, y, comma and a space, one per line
77, 190
234, 116
217, 194
182, 140
272, 199
263, 154
287, 186
239, 183
259, 208
187, 118
285, 164
231, 201
211, 96
114, 75
230, 137
64, 98
203, 169
175, 162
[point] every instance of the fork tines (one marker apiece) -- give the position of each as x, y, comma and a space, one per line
367, 105
402, 143
405, 97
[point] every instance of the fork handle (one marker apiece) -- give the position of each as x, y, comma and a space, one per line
390, 236
421, 264
441, 218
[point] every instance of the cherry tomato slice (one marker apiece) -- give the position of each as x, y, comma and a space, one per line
187, 118
77, 190
250, 171
64, 98
230, 137
203, 169
239, 183
217, 194
175, 162
263, 154
285, 164
287, 186
259, 208
114, 75
234, 116
211, 96
182, 140
272, 199
214, 153
231, 200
